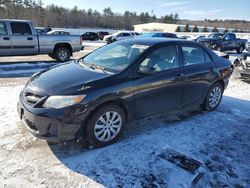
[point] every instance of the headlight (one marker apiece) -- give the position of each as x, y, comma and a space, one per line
62, 101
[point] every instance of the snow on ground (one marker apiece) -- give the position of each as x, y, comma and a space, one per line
219, 140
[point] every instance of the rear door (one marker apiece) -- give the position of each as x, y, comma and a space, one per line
199, 73
24, 41
5, 40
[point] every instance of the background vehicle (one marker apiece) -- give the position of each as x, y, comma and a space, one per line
90, 36
121, 35
248, 46
102, 34
58, 32
196, 38
223, 42
42, 30
184, 37
118, 83
19, 37
165, 35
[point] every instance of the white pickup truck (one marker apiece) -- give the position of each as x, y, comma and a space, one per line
19, 37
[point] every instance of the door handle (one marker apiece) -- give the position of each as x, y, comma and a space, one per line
179, 76
211, 69
6, 38
30, 38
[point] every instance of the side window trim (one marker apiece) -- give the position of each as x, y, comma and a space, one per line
27, 27
5, 27
191, 46
211, 59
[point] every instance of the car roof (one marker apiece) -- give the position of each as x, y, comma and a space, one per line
58, 31
15, 20
157, 41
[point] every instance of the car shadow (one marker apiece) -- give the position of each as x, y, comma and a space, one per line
115, 163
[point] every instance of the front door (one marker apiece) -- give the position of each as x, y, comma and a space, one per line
162, 89
24, 42
5, 40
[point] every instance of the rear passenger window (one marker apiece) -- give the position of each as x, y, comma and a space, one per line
207, 57
3, 30
193, 55
20, 28
126, 34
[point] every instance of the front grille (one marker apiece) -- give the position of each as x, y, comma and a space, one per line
31, 98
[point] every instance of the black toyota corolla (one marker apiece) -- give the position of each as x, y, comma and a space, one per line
94, 97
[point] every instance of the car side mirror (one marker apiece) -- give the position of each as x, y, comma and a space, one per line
145, 70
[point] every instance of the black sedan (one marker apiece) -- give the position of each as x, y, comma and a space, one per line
96, 96
90, 36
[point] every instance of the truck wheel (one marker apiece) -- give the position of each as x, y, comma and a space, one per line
62, 54
105, 125
240, 50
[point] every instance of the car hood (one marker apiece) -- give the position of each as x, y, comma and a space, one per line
69, 78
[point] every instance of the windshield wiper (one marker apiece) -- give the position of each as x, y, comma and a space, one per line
93, 66
98, 67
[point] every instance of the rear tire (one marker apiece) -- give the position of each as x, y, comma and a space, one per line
62, 54
105, 126
213, 97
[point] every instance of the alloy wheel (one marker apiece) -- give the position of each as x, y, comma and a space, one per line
108, 126
215, 97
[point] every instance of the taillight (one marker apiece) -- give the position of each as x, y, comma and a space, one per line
80, 40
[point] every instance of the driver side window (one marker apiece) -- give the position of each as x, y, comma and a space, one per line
163, 58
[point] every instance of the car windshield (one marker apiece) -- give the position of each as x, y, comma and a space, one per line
114, 57
148, 35
215, 35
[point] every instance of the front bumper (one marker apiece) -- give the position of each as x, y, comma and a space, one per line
245, 72
51, 125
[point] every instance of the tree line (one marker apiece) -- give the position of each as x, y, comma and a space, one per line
187, 28
57, 16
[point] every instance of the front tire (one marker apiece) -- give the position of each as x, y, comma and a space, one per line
213, 97
105, 126
62, 54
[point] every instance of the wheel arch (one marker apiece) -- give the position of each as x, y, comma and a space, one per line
67, 45
118, 102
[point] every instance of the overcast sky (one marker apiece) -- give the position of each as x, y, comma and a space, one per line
187, 9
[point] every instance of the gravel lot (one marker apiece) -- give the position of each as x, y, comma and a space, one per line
218, 140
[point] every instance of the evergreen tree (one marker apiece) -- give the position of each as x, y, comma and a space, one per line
215, 29
186, 29
178, 29
195, 29
205, 30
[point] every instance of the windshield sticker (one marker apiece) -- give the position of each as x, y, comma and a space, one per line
144, 47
